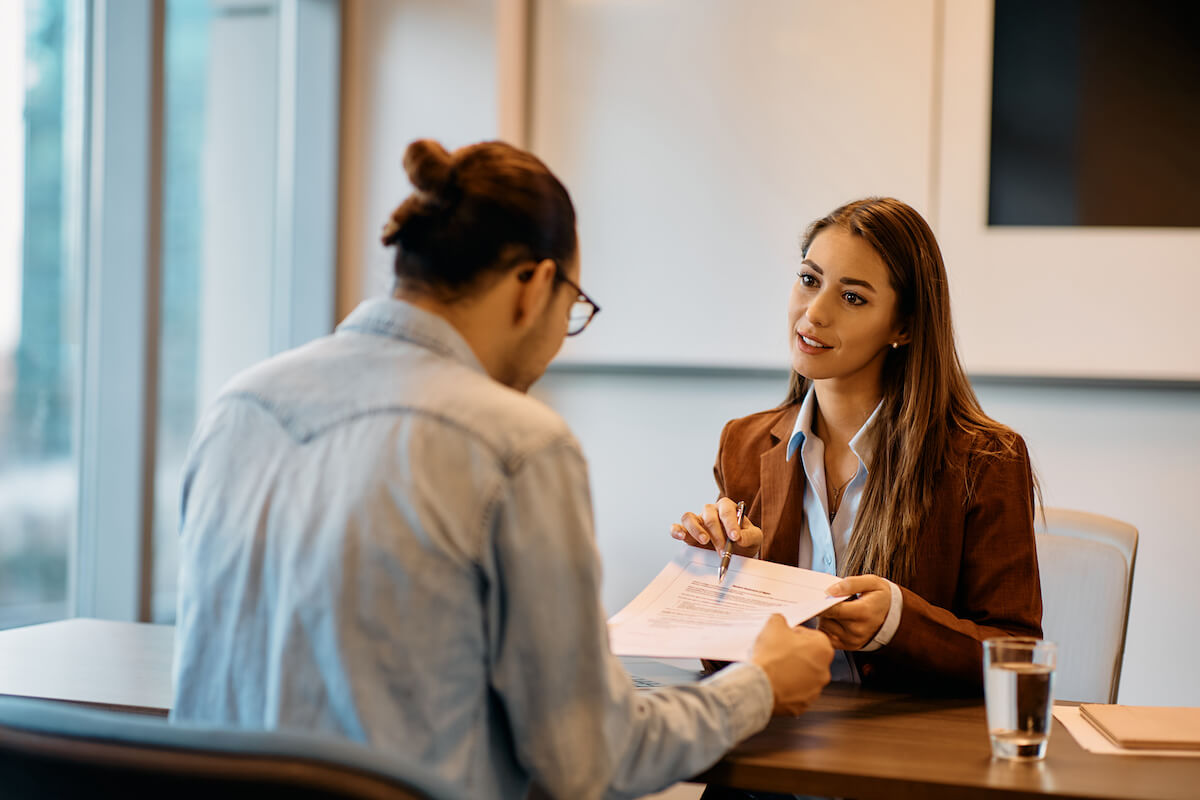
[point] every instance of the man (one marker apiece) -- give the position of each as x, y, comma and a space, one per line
385, 538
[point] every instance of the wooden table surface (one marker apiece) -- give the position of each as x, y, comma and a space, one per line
863, 744
118, 665
852, 743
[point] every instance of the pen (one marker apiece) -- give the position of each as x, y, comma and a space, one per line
725, 555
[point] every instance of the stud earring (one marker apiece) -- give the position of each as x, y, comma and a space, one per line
895, 345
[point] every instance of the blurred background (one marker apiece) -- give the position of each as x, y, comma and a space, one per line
193, 185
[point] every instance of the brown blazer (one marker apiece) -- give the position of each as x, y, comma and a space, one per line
976, 574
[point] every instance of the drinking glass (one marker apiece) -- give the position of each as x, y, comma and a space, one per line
1018, 686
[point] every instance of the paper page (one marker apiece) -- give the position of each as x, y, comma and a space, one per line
1094, 741
686, 613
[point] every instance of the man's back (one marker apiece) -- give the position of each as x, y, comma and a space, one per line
347, 566
380, 542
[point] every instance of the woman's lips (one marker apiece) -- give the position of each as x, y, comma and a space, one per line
810, 345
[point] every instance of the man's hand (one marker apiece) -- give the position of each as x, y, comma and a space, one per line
796, 661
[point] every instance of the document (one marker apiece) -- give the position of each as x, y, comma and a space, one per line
686, 613
1146, 727
1092, 740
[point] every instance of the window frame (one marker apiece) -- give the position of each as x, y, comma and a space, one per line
112, 555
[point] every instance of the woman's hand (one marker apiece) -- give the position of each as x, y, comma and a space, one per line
714, 524
852, 624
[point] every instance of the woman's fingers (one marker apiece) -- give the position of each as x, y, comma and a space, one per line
700, 532
679, 532
727, 512
688, 534
857, 584
714, 524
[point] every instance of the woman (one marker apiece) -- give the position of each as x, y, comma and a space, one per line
881, 466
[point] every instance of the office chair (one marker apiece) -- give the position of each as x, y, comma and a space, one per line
1086, 563
56, 750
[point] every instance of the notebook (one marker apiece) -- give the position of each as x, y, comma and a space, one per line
1146, 727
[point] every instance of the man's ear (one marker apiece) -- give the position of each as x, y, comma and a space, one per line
534, 291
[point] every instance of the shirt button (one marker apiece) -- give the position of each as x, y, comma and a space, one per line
828, 561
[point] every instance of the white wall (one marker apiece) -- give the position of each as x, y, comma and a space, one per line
1130, 453
410, 70
695, 135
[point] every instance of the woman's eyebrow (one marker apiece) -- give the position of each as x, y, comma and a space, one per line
856, 282
844, 281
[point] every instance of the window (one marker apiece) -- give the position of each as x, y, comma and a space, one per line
142, 265
41, 111
186, 53
248, 214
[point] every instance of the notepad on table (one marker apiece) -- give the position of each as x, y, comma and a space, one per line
1145, 727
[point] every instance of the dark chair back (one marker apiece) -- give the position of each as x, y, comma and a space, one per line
55, 750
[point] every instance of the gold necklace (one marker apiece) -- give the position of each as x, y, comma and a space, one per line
835, 502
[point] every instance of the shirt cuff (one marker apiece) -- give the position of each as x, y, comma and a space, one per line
890, 623
746, 692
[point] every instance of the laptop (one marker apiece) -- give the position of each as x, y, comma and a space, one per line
650, 673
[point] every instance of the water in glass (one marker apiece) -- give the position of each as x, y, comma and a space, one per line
1019, 697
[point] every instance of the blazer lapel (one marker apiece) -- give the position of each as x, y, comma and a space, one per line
781, 532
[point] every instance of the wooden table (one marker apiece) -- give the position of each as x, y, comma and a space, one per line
869, 745
852, 743
117, 665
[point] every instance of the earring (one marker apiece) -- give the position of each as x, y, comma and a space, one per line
895, 345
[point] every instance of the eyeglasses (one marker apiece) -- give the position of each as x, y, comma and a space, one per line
582, 310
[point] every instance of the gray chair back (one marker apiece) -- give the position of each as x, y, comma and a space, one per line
1086, 563
54, 749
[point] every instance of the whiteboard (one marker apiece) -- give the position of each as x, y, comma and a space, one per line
700, 137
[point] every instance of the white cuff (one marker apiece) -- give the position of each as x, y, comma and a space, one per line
890, 623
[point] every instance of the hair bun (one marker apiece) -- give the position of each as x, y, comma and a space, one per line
429, 167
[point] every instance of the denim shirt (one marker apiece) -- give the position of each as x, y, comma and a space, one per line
380, 542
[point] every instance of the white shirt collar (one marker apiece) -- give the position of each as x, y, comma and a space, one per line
862, 444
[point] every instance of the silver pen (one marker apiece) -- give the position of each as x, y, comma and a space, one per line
728, 551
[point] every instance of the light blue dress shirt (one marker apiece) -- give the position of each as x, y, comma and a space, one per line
380, 542
823, 542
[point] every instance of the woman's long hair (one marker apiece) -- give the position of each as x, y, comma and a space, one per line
926, 394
